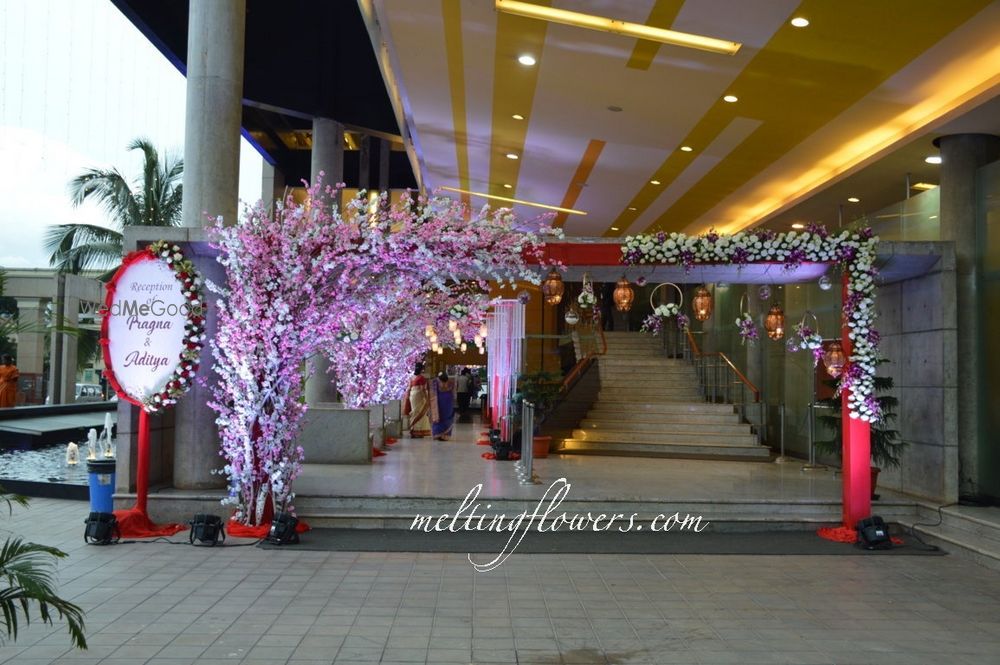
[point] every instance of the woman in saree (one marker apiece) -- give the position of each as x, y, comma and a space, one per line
443, 407
417, 404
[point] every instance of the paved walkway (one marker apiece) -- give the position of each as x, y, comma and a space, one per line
179, 605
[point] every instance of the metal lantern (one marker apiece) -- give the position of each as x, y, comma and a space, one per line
572, 316
624, 295
774, 322
702, 303
834, 358
553, 288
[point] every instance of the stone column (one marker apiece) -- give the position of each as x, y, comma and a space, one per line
961, 156
31, 344
328, 158
71, 319
211, 185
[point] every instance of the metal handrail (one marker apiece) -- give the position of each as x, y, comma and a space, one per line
699, 354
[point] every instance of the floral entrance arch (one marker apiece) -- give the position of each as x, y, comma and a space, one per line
854, 252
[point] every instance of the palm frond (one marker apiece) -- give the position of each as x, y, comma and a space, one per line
111, 191
76, 247
29, 570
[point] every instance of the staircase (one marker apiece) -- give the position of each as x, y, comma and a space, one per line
650, 406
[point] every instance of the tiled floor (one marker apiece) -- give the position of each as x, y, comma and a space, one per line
176, 604
424, 467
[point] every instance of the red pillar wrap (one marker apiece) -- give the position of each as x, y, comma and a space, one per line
142, 463
857, 489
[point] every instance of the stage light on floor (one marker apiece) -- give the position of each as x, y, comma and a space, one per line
873, 534
207, 530
283, 530
101, 529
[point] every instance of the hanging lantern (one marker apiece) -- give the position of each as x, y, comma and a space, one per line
553, 288
572, 316
834, 358
702, 303
774, 322
624, 295
825, 283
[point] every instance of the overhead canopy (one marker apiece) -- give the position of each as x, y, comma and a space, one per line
303, 59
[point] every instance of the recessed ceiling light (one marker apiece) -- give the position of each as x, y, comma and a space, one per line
933, 159
800, 22
853, 199
512, 155
615, 109
518, 116
527, 60
798, 225
654, 182
686, 148
730, 98
614, 228
632, 208
507, 185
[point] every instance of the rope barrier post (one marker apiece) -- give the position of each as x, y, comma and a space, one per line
781, 459
811, 428
526, 472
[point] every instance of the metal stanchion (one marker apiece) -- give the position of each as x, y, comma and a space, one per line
781, 459
525, 466
812, 465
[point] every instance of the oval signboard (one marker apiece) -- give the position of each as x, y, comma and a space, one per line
153, 327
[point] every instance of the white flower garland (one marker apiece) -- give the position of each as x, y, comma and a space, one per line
667, 310
854, 251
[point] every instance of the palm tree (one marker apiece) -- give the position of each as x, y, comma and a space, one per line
27, 577
153, 199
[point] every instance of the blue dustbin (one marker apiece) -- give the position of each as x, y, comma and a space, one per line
102, 485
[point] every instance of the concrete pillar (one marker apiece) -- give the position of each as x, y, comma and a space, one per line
328, 158
961, 156
364, 162
71, 319
272, 184
211, 185
31, 343
384, 147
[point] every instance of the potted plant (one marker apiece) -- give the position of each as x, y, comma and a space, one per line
886, 446
541, 389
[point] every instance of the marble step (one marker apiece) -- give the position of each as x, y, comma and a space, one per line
643, 408
628, 380
638, 393
677, 424
682, 450
610, 416
707, 438
642, 361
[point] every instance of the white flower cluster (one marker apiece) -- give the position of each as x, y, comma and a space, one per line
458, 312
586, 299
667, 310
854, 251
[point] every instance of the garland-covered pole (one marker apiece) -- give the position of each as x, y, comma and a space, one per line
857, 478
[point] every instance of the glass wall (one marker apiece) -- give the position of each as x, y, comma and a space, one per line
913, 219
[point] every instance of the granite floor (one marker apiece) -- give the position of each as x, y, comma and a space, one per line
164, 604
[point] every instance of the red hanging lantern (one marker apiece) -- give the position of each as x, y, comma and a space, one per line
553, 288
624, 295
774, 322
834, 358
702, 303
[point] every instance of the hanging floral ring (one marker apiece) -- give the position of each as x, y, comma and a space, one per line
808, 338
745, 324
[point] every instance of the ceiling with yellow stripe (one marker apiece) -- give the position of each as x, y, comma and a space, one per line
598, 123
